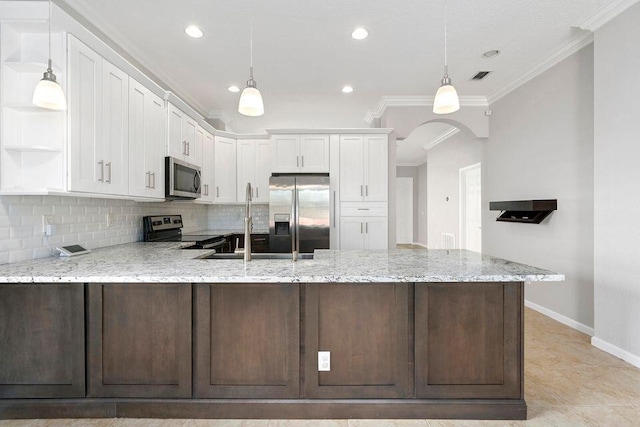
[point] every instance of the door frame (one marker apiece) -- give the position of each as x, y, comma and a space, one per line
462, 217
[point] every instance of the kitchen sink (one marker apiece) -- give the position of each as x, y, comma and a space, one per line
255, 256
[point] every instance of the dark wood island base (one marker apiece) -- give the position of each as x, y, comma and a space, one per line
250, 350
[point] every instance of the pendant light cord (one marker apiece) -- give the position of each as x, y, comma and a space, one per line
446, 7
251, 38
49, 35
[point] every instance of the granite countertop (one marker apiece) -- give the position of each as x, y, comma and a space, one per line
166, 262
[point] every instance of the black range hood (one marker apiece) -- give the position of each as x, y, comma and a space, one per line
526, 211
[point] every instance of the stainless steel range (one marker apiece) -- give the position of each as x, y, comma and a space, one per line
168, 228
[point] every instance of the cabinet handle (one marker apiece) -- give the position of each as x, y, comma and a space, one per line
257, 192
108, 164
334, 209
361, 194
363, 209
302, 161
366, 190
188, 148
297, 161
184, 147
366, 227
153, 174
217, 191
148, 184
101, 163
360, 228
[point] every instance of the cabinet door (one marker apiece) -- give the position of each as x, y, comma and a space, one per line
85, 118
177, 147
42, 336
376, 168
193, 142
263, 171
139, 169
247, 341
139, 340
352, 168
365, 327
285, 156
225, 170
468, 340
314, 153
351, 232
155, 146
376, 233
208, 190
115, 129
246, 163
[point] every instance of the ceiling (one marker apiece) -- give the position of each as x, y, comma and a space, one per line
304, 55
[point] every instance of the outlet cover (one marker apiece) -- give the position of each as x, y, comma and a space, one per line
324, 361
46, 220
111, 219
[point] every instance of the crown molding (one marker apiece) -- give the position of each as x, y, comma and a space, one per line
604, 14
418, 101
440, 138
89, 12
219, 115
560, 53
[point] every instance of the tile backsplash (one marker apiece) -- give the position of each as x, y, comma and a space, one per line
84, 220
232, 217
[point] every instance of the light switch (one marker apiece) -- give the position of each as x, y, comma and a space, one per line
324, 361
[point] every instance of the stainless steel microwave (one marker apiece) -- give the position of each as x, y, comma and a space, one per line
182, 180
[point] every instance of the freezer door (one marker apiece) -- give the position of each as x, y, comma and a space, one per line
312, 196
281, 213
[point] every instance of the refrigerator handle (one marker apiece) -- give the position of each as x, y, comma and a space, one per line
334, 209
295, 236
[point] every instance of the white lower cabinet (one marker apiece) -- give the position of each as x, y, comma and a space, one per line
225, 169
363, 232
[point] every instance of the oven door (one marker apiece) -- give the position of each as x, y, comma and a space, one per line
182, 180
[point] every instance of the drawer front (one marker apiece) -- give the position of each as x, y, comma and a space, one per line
363, 209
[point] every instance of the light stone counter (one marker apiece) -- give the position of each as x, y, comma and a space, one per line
165, 262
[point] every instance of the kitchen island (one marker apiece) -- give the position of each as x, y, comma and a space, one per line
149, 330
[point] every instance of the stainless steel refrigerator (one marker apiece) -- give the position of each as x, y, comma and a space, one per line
298, 213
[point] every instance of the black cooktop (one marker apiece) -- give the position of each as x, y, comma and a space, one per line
168, 228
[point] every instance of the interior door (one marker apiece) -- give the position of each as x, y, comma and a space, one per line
471, 208
404, 210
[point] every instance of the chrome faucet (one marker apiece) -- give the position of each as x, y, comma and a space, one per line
248, 224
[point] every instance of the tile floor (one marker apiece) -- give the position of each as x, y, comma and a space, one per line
568, 382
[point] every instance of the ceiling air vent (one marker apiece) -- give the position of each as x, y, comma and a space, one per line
480, 75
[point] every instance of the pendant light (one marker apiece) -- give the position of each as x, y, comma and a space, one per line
446, 100
250, 100
48, 93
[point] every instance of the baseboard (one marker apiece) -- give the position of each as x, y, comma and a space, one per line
422, 245
560, 318
616, 351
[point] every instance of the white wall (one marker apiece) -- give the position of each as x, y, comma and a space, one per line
422, 204
617, 180
411, 172
80, 220
541, 147
443, 181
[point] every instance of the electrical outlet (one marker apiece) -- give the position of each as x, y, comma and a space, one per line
324, 361
46, 220
111, 219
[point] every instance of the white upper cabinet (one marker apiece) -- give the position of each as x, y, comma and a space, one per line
183, 144
208, 168
147, 124
98, 116
225, 169
364, 168
300, 153
254, 166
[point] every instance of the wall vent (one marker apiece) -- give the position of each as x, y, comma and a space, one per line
480, 75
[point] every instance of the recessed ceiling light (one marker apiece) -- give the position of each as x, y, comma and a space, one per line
193, 31
234, 89
347, 89
359, 33
491, 53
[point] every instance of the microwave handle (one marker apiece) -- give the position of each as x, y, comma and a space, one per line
196, 181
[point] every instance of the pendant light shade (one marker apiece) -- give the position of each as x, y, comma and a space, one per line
48, 93
251, 100
446, 100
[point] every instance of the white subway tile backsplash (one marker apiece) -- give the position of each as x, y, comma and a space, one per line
84, 220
